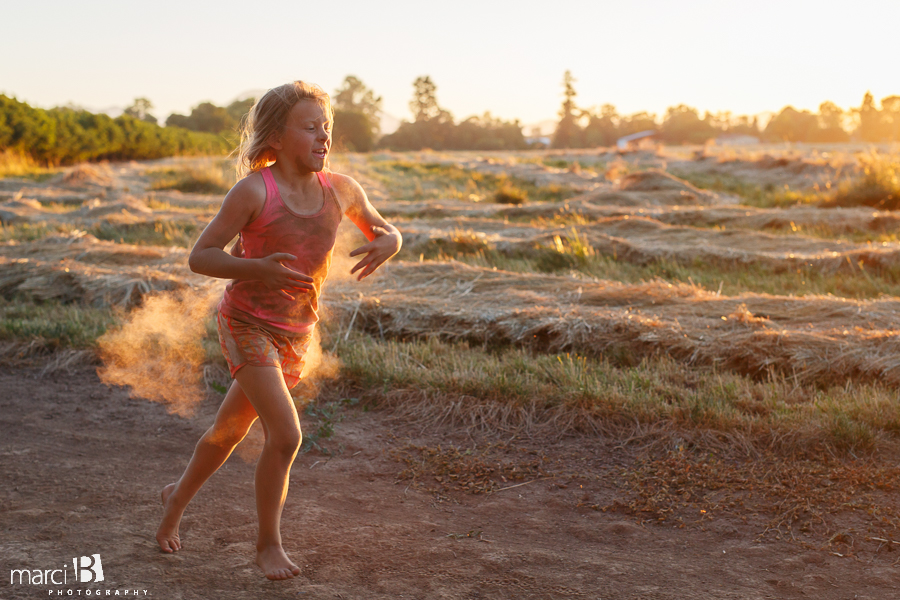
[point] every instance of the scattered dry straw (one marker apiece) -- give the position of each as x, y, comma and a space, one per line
821, 340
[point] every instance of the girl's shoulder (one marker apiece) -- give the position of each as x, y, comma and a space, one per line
347, 189
343, 182
248, 195
252, 185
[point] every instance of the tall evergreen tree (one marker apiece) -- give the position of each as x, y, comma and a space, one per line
424, 105
567, 131
869, 129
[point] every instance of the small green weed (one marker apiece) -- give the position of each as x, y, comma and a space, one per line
222, 389
326, 417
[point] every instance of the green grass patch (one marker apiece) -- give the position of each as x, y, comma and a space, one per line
54, 324
153, 233
216, 178
30, 232
657, 390
193, 207
576, 166
557, 163
767, 196
413, 181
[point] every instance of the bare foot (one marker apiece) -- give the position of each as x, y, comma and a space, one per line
275, 563
167, 534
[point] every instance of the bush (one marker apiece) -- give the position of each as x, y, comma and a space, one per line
510, 194
878, 187
353, 131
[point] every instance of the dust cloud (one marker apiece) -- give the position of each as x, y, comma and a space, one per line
348, 239
159, 351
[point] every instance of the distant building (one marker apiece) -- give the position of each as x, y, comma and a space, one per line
623, 142
539, 141
737, 140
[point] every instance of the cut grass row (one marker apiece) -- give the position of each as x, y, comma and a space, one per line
573, 255
876, 185
511, 388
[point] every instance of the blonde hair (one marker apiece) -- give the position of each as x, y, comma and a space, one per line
269, 115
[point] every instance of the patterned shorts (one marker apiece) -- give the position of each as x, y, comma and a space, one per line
248, 344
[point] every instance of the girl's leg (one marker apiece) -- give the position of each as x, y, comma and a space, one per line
233, 421
267, 392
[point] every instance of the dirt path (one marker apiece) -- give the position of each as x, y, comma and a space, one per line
82, 466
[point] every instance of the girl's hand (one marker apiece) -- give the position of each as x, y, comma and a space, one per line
385, 245
281, 279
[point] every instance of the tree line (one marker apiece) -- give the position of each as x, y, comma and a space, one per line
67, 135
433, 127
682, 124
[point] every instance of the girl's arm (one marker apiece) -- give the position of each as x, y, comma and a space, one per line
241, 205
384, 239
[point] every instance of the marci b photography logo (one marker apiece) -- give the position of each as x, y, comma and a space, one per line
89, 571
85, 569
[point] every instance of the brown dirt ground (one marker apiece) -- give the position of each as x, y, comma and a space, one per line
83, 464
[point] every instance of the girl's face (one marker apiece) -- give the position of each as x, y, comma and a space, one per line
306, 139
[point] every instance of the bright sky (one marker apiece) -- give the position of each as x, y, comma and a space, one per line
507, 57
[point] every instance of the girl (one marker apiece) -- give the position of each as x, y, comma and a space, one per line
287, 216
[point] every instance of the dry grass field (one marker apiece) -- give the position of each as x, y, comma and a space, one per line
716, 329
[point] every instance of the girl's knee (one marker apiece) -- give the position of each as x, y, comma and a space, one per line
228, 433
286, 441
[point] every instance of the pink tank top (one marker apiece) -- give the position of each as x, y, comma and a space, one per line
279, 229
